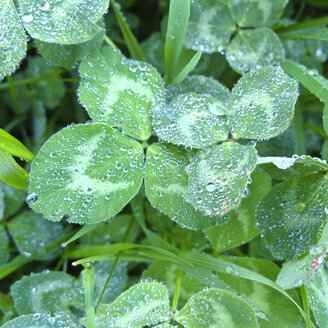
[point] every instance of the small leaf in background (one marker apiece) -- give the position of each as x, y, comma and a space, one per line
291, 215
47, 292
143, 304
192, 120
210, 26
317, 33
117, 281
216, 308
167, 183
309, 78
62, 22
13, 199
4, 245
317, 291
44, 320
257, 13
13, 40
240, 225
120, 92
218, 177
252, 49
67, 55
267, 302
262, 103
33, 235
49, 91
85, 173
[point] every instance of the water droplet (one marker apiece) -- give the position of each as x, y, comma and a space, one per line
27, 18
32, 198
44, 5
211, 187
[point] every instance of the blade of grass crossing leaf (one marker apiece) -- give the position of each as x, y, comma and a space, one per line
11, 173
325, 117
130, 40
188, 68
306, 306
84, 230
309, 78
320, 34
88, 283
176, 30
11, 145
305, 24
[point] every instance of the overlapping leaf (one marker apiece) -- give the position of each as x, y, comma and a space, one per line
291, 215
215, 307
251, 49
144, 304
218, 175
262, 103
210, 26
64, 21
85, 173
167, 185
13, 41
120, 92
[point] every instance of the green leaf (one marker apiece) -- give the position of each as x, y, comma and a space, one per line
176, 30
218, 176
317, 290
192, 120
85, 174
167, 183
189, 67
216, 308
11, 145
48, 291
255, 13
11, 173
130, 40
44, 320
267, 303
13, 199
12, 39
116, 284
240, 225
309, 78
291, 215
64, 22
312, 33
120, 92
210, 26
4, 245
263, 103
143, 304
66, 55
33, 235
252, 49
202, 85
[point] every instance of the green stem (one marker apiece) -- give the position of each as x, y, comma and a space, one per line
13, 94
127, 232
109, 41
306, 307
316, 129
7, 268
176, 291
89, 283
305, 24
26, 81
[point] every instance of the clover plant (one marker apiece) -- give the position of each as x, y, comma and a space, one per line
163, 163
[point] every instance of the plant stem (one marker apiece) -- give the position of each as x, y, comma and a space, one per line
13, 265
109, 41
306, 308
13, 94
176, 291
316, 129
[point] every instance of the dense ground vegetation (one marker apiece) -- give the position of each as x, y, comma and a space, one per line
163, 163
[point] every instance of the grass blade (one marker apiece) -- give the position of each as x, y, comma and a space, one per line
176, 30
320, 34
131, 42
88, 283
310, 79
188, 68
